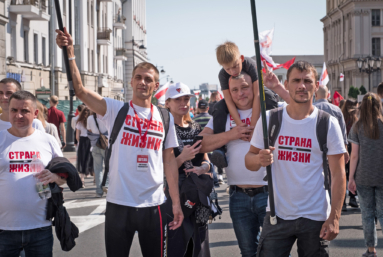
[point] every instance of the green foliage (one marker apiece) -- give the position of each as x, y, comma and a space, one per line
353, 92
207, 99
362, 90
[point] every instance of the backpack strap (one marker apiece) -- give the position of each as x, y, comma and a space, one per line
165, 116
322, 131
119, 121
275, 124
274, 127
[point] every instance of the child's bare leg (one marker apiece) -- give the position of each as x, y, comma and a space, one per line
231, 106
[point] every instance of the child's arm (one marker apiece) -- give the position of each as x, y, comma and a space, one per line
231, 106
256, 105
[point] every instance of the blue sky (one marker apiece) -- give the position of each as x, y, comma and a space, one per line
183, 35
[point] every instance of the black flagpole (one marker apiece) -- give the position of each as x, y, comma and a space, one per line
70, 134
273, 218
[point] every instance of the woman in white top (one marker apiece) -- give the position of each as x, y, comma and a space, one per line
84, 156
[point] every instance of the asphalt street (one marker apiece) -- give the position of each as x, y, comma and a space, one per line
87, 212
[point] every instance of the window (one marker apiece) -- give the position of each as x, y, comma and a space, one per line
13, 42
44, 49
87, 10
36, 48
375, 17
76, 25
26, 52
92, 59
376, 46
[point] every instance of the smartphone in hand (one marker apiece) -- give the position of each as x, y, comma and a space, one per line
197, 138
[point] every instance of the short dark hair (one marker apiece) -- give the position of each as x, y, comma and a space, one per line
380, 89
80, 107
24, 95
302, 66
148, 66
10, 80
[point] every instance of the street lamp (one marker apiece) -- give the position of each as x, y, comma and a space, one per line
368, 64
162, 71
167, 79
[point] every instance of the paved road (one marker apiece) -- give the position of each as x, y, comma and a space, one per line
86, 211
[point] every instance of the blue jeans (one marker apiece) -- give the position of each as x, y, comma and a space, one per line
371, 202
35, 242
247, 214
98, 161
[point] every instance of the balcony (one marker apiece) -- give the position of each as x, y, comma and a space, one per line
119, 21
103, 36
120, 54
30, 9
111, 1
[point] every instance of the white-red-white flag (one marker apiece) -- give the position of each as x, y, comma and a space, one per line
266, 41
324, 79
196, 92
160, 94
220, 94
341, 77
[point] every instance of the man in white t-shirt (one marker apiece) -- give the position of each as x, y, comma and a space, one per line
302, 204
9, 86
23, 223
135, 198
248, 191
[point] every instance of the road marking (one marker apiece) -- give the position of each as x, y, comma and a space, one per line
92, 220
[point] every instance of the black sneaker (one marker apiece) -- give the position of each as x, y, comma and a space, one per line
218, 158
344, 207
353, 202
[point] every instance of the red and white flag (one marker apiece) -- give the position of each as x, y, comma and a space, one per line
324, 79
336, 98
220, 94
266, 43
160, 94
196, 92
341, 77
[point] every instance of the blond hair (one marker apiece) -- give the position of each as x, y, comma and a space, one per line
227, 53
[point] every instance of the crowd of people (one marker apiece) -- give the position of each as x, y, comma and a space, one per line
161, 163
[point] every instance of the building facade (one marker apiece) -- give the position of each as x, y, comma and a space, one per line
352, 29
134, 39
3, 26
27, 43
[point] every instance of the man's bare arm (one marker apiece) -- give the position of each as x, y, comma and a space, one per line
62, 131
171, 173
330, 228
213, 141
93, 100
257, 158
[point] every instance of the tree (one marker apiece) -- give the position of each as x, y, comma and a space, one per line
353, 92
362, 90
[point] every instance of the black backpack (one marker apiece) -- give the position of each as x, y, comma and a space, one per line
120, 119
274, 127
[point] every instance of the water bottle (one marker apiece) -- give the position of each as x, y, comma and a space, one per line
37, 166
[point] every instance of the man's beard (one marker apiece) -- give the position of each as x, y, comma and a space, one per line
300, 101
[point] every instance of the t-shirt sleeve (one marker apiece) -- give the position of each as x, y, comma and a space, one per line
210, 124
342, 124
224, 77
353, 136
257, 139
56, 151
62, 118
37, 124
250, 67
171, 138
112, 109
335, 142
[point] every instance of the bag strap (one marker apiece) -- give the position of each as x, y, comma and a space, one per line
165, 116
275, 124
120, 119
94, 117
322, 131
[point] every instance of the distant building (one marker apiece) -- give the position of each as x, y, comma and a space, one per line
3, 23
352, 29
206, 87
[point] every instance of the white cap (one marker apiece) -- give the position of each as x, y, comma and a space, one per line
177, 90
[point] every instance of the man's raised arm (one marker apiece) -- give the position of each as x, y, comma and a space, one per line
93, 100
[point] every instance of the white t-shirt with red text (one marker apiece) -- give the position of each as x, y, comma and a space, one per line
297, 170
129, 186
20, 205
236, 171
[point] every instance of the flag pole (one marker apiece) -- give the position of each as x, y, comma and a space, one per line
273, 218
64, 48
